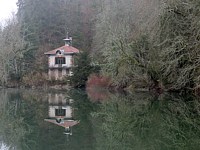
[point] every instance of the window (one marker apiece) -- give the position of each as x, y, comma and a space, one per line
60, 112
60, 60
58, 52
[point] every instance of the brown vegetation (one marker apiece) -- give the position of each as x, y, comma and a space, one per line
35, 79
98, 81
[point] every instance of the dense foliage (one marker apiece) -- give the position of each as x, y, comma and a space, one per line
122, 40
137, 43
12, 50
179, 41
82, 70
155, 47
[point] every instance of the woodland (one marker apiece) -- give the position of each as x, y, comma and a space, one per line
135, 43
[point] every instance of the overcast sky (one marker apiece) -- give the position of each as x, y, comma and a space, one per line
6, 8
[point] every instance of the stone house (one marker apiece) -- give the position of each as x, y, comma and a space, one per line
61, 60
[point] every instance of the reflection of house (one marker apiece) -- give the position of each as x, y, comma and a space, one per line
60, 112
59, 99
61, 60
67, 124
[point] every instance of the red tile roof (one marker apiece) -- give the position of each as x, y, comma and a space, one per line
67, 49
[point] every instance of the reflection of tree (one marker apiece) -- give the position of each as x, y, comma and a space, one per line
12, 126
21, 113
84, 138
96, 94
22, 124
140, 122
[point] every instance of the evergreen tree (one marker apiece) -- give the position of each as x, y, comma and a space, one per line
82, 71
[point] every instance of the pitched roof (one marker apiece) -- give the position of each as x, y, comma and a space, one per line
67, 49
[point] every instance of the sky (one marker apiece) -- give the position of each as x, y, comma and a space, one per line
6, 8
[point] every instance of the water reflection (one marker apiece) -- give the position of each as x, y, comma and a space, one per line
139, 121
22, 125
97, 95
61, 112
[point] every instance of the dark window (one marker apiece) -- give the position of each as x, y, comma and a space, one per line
60, 112
60, 60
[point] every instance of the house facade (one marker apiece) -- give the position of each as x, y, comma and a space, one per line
61, 60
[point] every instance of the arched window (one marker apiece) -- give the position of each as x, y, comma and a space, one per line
58, 52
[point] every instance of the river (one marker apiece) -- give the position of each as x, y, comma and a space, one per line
76, 120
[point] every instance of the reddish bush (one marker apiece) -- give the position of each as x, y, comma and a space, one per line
95, 80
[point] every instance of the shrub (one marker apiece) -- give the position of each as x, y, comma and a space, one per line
35, 79
82, 71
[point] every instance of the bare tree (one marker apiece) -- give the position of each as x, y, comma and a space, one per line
120, 28
11, 49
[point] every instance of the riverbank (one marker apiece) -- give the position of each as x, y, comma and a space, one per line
45, 87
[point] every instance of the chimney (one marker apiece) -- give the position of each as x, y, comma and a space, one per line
68, 40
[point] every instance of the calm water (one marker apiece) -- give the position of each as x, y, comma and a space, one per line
41, 120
